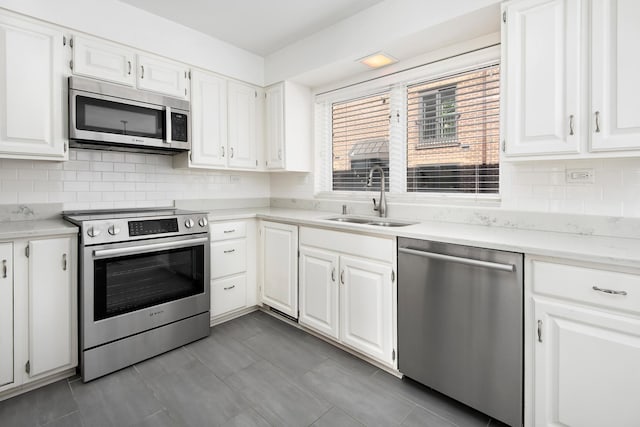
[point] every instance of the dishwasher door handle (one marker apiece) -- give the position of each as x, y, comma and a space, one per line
468, 261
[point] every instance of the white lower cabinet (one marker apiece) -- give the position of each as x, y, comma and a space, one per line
583, 345
279, 266
347, 290
319, 295
233, 272
52, 314
228, 294
366, 306
6, 314
38, 311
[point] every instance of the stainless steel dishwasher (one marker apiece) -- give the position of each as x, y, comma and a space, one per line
460, 324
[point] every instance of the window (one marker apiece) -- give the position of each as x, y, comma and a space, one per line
438, 118
453, 131
437, 135
360, 140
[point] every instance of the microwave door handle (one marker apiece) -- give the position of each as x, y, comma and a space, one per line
167, 127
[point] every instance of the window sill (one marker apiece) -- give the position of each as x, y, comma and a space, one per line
485, 200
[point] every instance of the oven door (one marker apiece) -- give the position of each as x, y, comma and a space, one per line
131, 287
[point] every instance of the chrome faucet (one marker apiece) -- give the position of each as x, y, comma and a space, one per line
381, 207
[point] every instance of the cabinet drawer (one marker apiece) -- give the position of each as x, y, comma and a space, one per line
577, 283
228, 294
228, 257
227, 230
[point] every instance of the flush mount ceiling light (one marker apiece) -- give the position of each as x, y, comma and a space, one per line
378, 60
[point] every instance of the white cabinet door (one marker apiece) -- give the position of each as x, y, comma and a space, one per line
52, 307
280, 267
243, 142
208, 119
32, 91
615, 67
274, 124
6, 314
319, 295
162, 76
587, 367
228, 294
103, 60
366, 308
542, 77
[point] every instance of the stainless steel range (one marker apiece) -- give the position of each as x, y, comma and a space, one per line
144, 284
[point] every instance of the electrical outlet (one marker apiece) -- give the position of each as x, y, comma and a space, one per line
580, 176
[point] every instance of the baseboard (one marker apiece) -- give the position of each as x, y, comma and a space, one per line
233, 315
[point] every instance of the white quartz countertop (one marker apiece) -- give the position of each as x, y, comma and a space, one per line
10, 230
597, 249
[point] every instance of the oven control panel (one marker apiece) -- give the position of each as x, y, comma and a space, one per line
153, 226
124, 229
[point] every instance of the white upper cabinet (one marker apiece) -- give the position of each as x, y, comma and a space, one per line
288, 127
615, 67
33, 101
274, 133
6, 314
570, 86
243, 126
542, 77
162, 76
103, 60
208, 119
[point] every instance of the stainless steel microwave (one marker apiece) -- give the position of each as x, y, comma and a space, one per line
113, 117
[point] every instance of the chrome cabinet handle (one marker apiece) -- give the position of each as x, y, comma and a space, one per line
142, 74
231, 152
229, 287
342, 277
609, 291
280, 154
233, 230
222, 148
539, 330
229, 251
129, 62
333, 274
64, 262
597, 121
571, 124
4, 268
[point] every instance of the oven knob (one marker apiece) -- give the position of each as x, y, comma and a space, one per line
93, 232
202, 222
113, 230
188, 223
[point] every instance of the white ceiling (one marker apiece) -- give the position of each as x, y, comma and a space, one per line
259, 26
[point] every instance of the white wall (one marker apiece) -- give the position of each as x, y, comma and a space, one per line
106, 180
533, 187
128, 25
369, 31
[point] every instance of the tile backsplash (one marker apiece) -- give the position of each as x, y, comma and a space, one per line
105, 180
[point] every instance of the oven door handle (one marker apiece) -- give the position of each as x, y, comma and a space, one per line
133, 250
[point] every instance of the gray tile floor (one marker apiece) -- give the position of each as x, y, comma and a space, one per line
251, 371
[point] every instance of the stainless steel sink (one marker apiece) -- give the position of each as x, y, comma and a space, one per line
371, 221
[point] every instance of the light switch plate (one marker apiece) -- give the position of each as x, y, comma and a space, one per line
580, 176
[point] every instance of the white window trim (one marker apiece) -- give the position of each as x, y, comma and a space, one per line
397, 156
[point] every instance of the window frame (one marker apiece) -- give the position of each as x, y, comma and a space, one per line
398, 82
